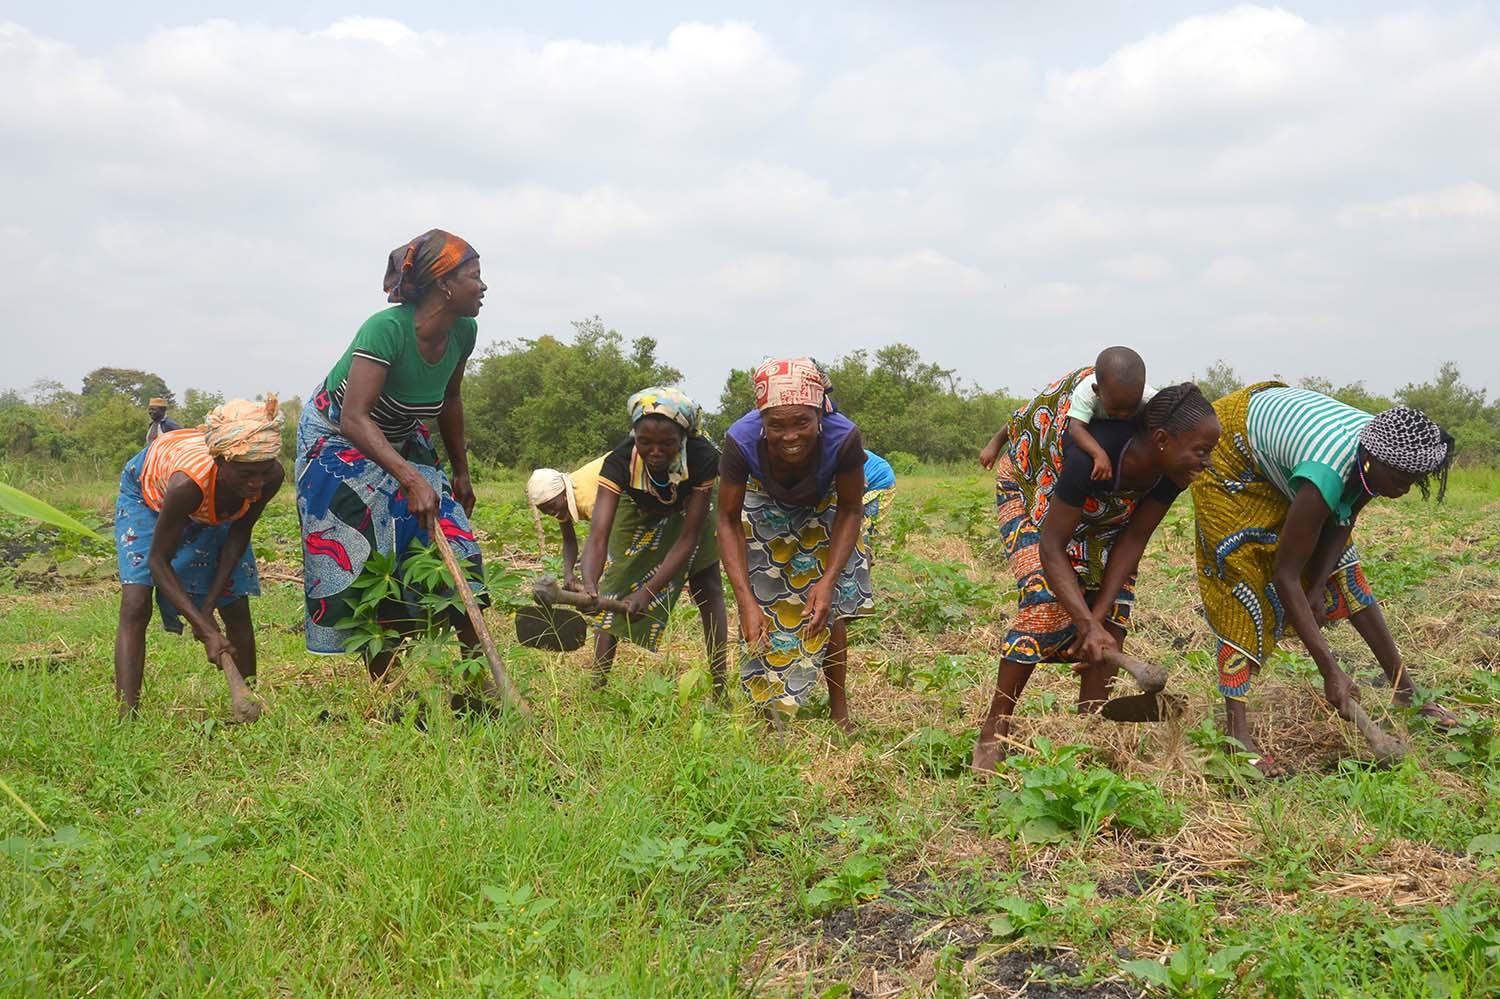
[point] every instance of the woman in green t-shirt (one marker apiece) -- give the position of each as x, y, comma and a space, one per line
368, 478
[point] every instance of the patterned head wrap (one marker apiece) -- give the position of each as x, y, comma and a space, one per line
244, 431
414, 266
1407, 440
792, 381
548, 484
672, 403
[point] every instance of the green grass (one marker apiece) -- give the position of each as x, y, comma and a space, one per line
647, 842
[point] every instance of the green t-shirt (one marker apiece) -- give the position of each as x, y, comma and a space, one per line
413, 391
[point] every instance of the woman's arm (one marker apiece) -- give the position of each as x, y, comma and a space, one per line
182, 497
1057, 529
238, 538
992, 449
597, 546
1300, 533
846, 523
451, 426
569, 553
1331, 544
1125, 554
735, 561
694, 515
366, 379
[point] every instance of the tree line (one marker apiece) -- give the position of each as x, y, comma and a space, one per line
559, 401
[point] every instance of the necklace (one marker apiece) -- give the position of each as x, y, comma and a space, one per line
660, 485
1360, 469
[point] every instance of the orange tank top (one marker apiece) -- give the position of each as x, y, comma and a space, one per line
184, 451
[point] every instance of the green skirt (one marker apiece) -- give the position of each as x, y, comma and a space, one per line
637, 544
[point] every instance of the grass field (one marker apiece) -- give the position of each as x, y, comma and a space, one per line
648, 842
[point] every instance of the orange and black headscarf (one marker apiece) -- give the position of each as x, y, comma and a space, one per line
414, 266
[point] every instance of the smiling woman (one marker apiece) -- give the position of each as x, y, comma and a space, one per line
368, 478
791, 503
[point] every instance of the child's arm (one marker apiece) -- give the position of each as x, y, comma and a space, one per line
992, 449
1078, 433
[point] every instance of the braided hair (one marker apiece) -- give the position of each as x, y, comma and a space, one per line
1176, 409
1410, 441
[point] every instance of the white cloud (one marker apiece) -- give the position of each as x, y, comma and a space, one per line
1221, 185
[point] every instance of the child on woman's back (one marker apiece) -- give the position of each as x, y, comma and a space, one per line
1115, 391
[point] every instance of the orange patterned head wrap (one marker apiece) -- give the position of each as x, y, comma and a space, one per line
413, 267
244, 431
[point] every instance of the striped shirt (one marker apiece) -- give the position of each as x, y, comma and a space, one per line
184, 451
1301, 436
414, 387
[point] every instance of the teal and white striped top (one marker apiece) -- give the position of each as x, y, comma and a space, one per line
1297, 434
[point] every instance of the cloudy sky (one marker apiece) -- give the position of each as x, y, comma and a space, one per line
209, 190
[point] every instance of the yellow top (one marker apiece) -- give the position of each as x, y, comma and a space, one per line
586, 486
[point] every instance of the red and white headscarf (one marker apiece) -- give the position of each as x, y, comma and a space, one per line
792, 381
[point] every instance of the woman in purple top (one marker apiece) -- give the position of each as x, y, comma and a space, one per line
791, 502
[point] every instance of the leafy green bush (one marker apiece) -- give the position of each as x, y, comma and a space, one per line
1060, 795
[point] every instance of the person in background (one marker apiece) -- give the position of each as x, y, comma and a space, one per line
160, 424
187, 505
569, 498
880, 490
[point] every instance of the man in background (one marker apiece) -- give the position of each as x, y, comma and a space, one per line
157, 410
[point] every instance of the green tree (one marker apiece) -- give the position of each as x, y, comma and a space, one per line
1218, 381
195, 406
136, 385
1460, 409
550, 402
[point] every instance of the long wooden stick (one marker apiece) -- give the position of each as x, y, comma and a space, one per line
1148, 676
548, 591
1387, 748
497, 671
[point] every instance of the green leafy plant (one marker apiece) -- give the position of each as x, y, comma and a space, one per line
23, 504
1192, 970
1060, 795
859, 878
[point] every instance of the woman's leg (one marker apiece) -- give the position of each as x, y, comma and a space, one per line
130, 645
835, 670
604, 657
1010, 681
706, 587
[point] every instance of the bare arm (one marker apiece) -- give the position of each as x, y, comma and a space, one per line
596, 548
238, 539
182, 497
451, 426
1057, 530
846, 524
682, 549
1078, 432
1300, 534
991, 450
1125, 554
569, 551
366, 379
732, 554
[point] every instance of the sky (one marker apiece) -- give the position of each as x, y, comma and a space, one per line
209, 191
